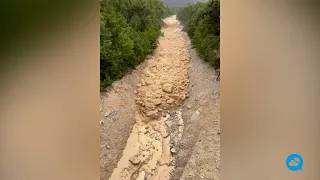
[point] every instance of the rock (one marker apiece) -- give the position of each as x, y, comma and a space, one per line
125, 88
108, 147
157, 101
189, 106
173, 151
153, 124
170, 101
173, 114
107, 113
168, 123
161, 161
135, 91
143, 83
134, 176
172, 142
191, 175
152, 113
141, 176
147, 83
195, 116
134, 160
101, 123
167, 87
183, 97
165, 134
175, 96
172, 163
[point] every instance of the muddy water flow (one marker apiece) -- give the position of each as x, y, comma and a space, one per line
159, 125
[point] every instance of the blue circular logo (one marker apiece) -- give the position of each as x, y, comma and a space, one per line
294, 162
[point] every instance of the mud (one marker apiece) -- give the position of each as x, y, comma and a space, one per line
162, 88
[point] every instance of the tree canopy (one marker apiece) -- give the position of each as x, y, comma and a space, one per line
202, 23
128, 33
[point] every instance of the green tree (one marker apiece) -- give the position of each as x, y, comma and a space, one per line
128, 33
202, 23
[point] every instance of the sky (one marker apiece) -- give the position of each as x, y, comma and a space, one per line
172, 3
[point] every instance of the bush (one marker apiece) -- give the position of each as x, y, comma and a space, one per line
128, 33
202, 23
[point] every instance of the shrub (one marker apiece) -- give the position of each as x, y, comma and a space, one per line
202, 23
128, 33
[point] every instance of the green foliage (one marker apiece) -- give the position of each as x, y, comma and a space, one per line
202, 23
174, 10
128, 33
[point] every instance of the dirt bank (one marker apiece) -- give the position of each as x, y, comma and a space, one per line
117, 113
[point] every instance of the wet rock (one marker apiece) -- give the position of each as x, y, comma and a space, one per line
101, 123
146, 176
173, 150
141, 176
167, 87
135, 160
161, 161
172, 163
